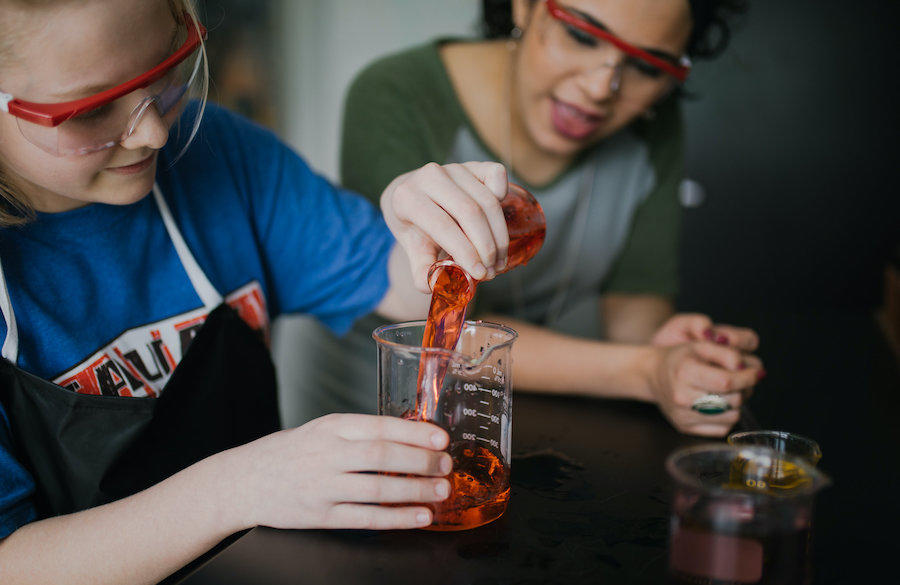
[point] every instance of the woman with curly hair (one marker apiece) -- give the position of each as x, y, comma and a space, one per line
580, 100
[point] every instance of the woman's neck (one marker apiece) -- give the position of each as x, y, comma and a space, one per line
481, 74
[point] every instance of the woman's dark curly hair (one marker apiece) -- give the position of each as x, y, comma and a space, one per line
708, 39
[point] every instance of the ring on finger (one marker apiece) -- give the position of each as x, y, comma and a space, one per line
711, 404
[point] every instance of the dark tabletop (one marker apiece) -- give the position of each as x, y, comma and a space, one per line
590, 497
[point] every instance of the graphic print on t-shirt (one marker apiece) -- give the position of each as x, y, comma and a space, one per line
141, 360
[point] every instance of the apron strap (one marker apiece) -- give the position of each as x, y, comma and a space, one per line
11, 344
204, 289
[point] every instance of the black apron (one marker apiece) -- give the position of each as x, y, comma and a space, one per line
84, 450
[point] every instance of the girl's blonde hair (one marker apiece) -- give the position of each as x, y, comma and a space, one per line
15, 209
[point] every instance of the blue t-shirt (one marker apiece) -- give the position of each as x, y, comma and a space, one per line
103, 304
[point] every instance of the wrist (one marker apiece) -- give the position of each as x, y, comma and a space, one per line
226, 490
646, 366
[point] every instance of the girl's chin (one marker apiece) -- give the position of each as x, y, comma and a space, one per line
132, 191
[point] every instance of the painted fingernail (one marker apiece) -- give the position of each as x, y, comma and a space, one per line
442, 489
709, 334
722, 339
423, 518
437, 439
761, 374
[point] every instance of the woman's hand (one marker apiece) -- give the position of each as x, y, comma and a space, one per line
690, 371
454, 209
318, 475
687, 327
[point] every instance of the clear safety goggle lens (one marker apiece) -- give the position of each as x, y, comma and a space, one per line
110, 124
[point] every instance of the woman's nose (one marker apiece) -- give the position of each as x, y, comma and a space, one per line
148, 130
602, 81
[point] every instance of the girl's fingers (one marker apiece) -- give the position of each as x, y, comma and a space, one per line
376, 489
437, 184
490, 205
737, 337
368, 427
431, 220
381, 455
492, 175
374, 517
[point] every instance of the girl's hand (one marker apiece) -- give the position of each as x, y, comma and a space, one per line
453, 209
687, 327
319, 475
690, 371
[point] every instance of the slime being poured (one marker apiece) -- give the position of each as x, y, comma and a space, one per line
479, 482
452, 290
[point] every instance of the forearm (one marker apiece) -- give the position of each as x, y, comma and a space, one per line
546, 361
139, 539
634, 318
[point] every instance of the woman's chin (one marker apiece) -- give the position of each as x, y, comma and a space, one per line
558, 145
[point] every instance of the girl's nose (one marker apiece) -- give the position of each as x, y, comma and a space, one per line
148, 129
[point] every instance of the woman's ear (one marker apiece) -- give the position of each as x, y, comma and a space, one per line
521, 13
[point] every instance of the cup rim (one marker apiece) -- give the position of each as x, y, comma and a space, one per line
814, 447
819, 479
449, 353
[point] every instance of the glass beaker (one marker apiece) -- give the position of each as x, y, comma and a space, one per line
734, 518
526, 224
474, 406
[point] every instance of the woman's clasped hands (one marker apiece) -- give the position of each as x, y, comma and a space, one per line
696, 358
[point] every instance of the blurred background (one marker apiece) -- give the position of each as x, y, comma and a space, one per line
792, 218
288, 63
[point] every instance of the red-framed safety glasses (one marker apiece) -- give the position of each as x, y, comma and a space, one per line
55, 114
679, 72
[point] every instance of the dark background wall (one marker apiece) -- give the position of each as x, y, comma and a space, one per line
794, 139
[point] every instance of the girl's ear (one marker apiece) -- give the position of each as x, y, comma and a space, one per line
522, 11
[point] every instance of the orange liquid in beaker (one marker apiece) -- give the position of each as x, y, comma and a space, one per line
479, 490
